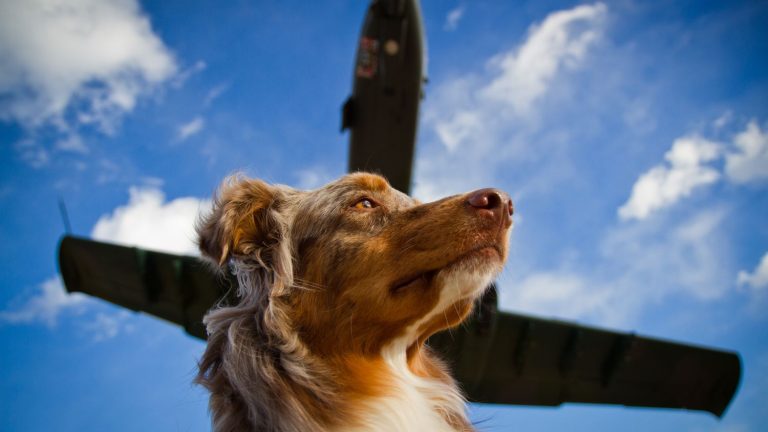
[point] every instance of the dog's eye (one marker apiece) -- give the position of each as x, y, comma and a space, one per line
365, 203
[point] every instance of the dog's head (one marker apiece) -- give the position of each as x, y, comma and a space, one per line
357, 266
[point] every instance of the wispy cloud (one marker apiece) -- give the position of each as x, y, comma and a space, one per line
665, 184
50, 302
72, 142
148, 221
193, 127
32, 152
560, 42
690, 165
185, 74
723, 119
756, 279
637, 268
560, 293
475, 121
105, 326
750, 160
45, 306
214, 93
77, 63
453, 18
311, 178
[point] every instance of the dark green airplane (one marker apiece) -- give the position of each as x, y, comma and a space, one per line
498, 357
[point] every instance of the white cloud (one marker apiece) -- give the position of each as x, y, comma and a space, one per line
689, 166
518, 78
692, 255
108, 171
105, 326
152, 182
477, 121
193, 127
750, 161
76, 62
312, 178
150, 222
666, 184
560, 42
32, 153
51, 301
184, 75
453, 18
73, 143
45, 306
723, 120
757, 279
214, 93
558, 293
637, 268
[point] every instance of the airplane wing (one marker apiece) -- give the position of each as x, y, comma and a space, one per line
176, 288
498, 357
507, 358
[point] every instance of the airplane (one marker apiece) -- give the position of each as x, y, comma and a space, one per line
498, 357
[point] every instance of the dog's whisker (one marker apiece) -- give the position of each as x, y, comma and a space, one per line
448, 325
351, 327
307, 285
308, 281
334, 309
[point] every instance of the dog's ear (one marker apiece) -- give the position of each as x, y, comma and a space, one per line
244, 221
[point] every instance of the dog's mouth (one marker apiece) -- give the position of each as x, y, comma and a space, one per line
423, 279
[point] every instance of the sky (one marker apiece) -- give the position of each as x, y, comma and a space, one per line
631, 135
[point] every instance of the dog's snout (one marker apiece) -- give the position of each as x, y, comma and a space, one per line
492, 203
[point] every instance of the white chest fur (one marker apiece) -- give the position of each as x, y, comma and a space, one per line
413, 403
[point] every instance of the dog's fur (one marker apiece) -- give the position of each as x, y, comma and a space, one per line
336, 299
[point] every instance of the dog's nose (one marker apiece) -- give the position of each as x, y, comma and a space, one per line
492, 203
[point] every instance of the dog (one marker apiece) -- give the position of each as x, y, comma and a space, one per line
339, 288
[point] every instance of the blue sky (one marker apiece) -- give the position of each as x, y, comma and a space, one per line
633, 137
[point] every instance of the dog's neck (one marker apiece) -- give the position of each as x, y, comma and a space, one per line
263, 377
399, 390
256, 387
416, 395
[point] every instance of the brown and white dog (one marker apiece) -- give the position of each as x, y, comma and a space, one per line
339, 288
